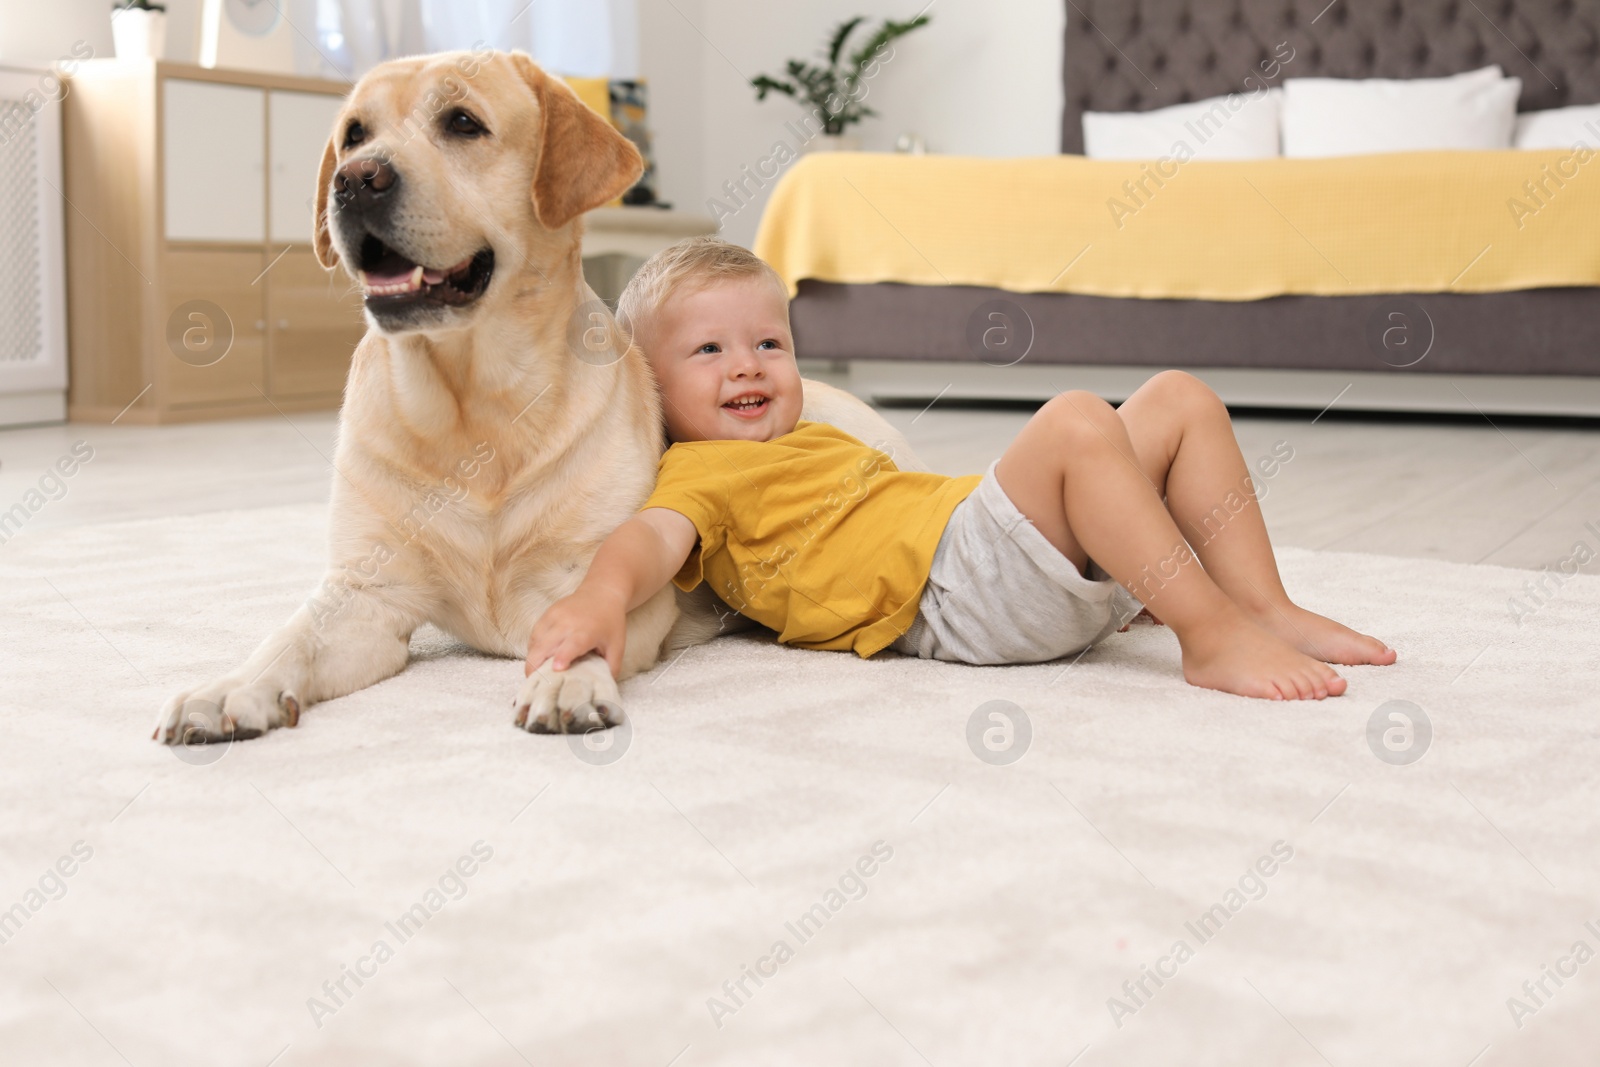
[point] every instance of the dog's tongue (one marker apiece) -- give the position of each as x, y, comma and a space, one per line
398, 273
393, 276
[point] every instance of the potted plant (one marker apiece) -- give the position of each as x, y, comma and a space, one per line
138, 29
836, 92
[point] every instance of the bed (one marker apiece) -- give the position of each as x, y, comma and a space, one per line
1497, 337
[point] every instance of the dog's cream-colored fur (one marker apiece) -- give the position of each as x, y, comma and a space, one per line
538, 449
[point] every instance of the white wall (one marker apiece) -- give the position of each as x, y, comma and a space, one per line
672, 65
983, 78
36, 33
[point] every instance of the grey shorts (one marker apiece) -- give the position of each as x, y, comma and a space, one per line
998, 592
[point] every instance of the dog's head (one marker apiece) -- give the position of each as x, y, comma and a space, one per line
445, 177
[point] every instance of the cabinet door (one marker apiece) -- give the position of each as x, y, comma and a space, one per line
210, 296
314, 319
298, 127
214, 161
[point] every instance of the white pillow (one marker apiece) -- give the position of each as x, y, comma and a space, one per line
1560, 127
1343, 117
1236, 126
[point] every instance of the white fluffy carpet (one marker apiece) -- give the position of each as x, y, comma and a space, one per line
209, 904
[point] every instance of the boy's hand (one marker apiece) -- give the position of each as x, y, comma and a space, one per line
634, 562
576, 625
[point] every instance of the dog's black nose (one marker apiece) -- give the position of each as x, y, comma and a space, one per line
364, 180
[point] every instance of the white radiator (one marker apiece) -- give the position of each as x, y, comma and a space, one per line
33, 338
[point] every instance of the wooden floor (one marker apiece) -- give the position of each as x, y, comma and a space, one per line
1513, 494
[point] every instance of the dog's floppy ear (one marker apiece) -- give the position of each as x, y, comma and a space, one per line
323, 240
583, 161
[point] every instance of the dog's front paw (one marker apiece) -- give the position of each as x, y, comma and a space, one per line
227, 710
581, 698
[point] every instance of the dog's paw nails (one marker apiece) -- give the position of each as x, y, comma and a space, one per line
550, 721
598, 715
225, 711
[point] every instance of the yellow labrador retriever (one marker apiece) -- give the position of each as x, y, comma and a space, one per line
495, 426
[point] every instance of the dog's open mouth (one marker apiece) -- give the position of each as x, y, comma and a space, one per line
389, 279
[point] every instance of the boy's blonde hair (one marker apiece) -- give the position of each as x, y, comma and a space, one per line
694, 260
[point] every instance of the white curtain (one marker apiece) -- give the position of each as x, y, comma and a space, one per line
578, 37
339, 38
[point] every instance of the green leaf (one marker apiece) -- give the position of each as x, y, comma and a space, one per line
764, 84
836, 45
889, 31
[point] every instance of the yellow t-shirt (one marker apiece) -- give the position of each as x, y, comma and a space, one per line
812, 534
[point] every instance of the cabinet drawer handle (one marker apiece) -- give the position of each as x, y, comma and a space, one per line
283, 324
261, 326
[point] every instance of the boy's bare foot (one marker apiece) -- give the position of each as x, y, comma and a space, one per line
1319, 636
1235, 655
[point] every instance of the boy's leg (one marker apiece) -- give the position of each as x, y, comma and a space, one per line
1070, 473
1184, 440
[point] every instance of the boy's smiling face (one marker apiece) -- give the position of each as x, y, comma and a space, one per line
724, 360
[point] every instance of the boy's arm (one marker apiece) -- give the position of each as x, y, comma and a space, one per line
632, 565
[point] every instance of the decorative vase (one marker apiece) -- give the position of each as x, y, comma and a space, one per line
139, 33
834, 142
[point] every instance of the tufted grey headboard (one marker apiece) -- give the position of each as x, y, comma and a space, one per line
1134, 55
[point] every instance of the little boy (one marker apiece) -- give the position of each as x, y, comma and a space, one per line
808, 531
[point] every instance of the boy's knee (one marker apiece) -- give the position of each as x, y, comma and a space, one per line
1182, 389
1082, 416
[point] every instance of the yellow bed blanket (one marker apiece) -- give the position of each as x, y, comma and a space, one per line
1412, 222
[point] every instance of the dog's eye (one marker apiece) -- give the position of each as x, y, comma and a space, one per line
354, 134
464, 124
